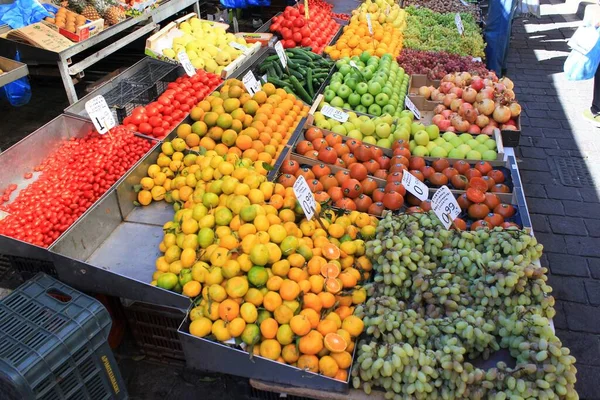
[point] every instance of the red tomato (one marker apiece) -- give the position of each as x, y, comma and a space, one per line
145, 128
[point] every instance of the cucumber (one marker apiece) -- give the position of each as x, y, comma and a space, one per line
300, 90
309, 84
278, 82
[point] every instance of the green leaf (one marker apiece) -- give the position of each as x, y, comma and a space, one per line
268, 167
137, 188
136, 203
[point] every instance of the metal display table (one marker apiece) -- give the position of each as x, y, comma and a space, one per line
144, 24
13, 70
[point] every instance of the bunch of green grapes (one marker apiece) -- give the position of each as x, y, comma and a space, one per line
448, 297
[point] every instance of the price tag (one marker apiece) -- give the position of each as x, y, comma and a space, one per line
464, 3
281, 54
186, 63
306, 15
369, 24
251, 84
444, 205
100, 114
305, 197
334, 113
477, 59
459, 24
239, 47
415, 186
411, 106
387, 10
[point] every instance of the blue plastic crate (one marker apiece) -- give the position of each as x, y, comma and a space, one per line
53, 345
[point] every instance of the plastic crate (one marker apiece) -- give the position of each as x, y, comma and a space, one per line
154, 330
5, 266
53, 345
27, 267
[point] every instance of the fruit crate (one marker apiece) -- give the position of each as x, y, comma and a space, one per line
25, 258
154, 330
139, 85
418, 80
54, 344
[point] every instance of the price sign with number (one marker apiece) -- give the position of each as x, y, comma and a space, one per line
239, 47
100, 114
477, 59
415, 186
305, 197
186, 63
444, 205
281, 54
332, 112
411, 106
459, 24
251, 84
369, 24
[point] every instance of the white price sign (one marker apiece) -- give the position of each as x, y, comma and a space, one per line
239, 47
444, 205
251, 84
281, 54
369, 24
332, 112
459, 24
186, 63
411, 106
100, 114
476, 59
305, 197
415, 186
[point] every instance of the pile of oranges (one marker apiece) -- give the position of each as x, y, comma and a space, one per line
258, 271
386, 39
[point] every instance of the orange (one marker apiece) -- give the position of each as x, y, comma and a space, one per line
243, 142
192, 288
331, 251
254, 296
343, 312
348, 280
359, 296
316, 283
330, 270
342, 375
344, 300
328, 366
300, 324
333, 285
335, 318
316, 263
271, 301
290, 353
327, 299
335, 343
311, 343
274, 283
308, 363
353, 325
271, 349
289, 290
312, 301
283, 314
305, 286
312, 315
268, 88
228, 310
268, 328
297, 274
236, 327
327, 326
343, 358
285, 335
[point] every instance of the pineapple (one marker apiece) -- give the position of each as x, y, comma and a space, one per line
89, 12
76, 6
114, 15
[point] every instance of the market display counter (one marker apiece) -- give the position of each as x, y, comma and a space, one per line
12, 70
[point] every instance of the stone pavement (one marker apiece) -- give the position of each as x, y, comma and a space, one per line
560, 168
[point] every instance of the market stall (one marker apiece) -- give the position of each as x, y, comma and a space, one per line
325, 216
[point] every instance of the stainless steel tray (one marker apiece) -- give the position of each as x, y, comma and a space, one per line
13, 70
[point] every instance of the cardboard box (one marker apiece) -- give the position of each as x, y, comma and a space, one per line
83, 32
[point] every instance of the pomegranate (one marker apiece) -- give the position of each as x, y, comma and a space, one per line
486, 107
463, 108
434, 94
515, 110
474, 130
501, 114
485, 93
455, 104
477, 83
446, 86
456, 90
511, 122
444, 125
506, 127
425, 92
448, 99
499, 87
437, 118
447, 113
448, 78
471, 116
482, 120
439, 108
469, 95
509, 94
488, 130
508, 83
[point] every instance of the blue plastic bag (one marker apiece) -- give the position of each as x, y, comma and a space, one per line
22, 13
583, 61
234, 3
18, 93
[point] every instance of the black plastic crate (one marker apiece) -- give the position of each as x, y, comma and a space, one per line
154, 330
27, 267
53, 345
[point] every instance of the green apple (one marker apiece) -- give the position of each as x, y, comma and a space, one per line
348, 126
474, 155
431, 145
360, 108
355, 134
447, 146
324, 124
383, 130
337, 102
490, 144
345, 69
354, 99
388, 109
370, 140
339, 129
386, 143
382, 99
433, 131
420, 151
335, 85
465, 137
351, 83
417, 127
334, 122
439, 141
362, 88
402, 134
472, 143
465, 148
367, 128
481, 148
481, 138
489, 155
412, 145
367, 99
456, 153
374, 88
374, 109
439, 152
328, 94
421, 138
448, 136
455, 142
408, 113
343, 91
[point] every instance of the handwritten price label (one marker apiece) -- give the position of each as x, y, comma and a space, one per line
100, 114
411, 106
334, 113
444, 205
281, 54
251, 84
369, 24
305, 197
459, 24
415, 186
186, 63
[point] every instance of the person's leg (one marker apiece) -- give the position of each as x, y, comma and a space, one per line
512, 6
494, 35
593, 113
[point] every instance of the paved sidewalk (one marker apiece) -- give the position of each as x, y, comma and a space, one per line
560, 169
